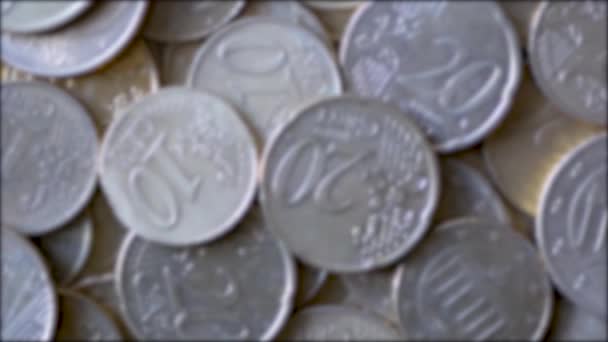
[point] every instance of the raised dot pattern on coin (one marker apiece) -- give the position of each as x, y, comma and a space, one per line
337, 323
568, 56
349, 184
453, 66
81, 319
265, 67
180, 167
471, 280
29, 305
572, 225
213, 292
48, 159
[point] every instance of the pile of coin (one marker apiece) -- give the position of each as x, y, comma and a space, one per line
304, 170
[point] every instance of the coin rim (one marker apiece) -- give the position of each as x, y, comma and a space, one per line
48, 24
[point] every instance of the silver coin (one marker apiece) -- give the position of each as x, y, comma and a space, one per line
37, 16
179, 167
265, 67
572, 225
310, 281
81, 319
212, 292
453, 65
571, 323
67, 249
466, 192
472, 281
567, 52
49, 150
337, 323
83, 46
182, 21
349, 184
29, 303
290, 11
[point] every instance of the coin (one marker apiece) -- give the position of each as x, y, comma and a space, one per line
265, 67
333, 323
110, 90
310, 281
453, 66
66, 250
48, 157
212, 292
349, 184
82, 319
182, 21
473, 280
567, 53
179, 167
521, 13
570, 323
289, 11
572, 224
83, 46
37, 16
466, 192
533, 138
29, 305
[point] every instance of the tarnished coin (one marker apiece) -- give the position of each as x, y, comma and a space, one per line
572, 225
337, 323
67, 249
466, 192
453, 65
182, 21
36, 16
81, 319
179, 167
521, 14
571, 323
290, 11
212, 292
265, 67
310, 281
334, 5
523, 151
109, 91
349, 184
470, 280
29, 302
567, 53
49, 148
81, 47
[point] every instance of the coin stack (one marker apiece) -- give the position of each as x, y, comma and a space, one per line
304, 170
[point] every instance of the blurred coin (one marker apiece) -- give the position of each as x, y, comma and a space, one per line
473, 280
49, 148
571, 323
29, 303
179, 167
568, 56
182, 21
533, 138
572, 225
81, 319
83, 46
349, 184
333, 323
521, 14
37, 16
466, 192
67, 249
453, 66
310, 281
334, 5
110, 90
265, 67
240, 287
290, 11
